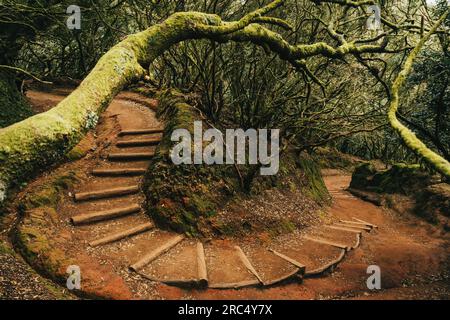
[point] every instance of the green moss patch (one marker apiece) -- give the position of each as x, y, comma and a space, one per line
315, 185
82, 148
400, 178
48, 194
405, 183
39, 252
4, 249
38, 208
330, 158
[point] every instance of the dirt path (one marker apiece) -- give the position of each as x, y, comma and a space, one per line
109, 226
101, 227
18, 281
412, 255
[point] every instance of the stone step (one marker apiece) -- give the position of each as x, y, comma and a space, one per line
106, 193
122, 234
202, 274
131, 156
328, 242
140, 131
353, 226
344, 229
104, 215
117, 172
156, 253
138, 143
299, 265
365, 222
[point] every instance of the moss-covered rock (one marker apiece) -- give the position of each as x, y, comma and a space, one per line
404, 188
38, 251
182, 197
39, 215
362, 176
433, 201
315, 185
400, 178
48, 194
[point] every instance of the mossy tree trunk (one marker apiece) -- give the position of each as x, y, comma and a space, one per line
33, 144
38, 141
436, 161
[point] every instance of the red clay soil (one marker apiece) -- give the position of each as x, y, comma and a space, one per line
413, 255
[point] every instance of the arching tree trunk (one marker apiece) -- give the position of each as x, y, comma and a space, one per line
41, 140
33, 144
439, 163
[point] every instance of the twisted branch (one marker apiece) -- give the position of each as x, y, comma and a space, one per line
435, 160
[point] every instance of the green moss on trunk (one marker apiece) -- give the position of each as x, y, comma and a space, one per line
439, 163
41, 140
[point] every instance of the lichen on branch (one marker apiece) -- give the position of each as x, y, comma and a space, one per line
439, 163
31, 145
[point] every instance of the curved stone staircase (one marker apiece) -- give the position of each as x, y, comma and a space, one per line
107, 211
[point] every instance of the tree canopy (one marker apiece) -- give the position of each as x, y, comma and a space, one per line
313, 68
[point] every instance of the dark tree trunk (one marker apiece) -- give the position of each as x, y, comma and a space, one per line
13, 105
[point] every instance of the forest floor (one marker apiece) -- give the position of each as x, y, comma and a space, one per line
413, 255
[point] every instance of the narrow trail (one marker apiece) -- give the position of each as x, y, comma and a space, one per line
106, 211
101, 223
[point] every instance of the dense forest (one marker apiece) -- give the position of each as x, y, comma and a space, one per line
94, 96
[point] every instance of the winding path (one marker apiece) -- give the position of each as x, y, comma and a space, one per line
107, 236
107, 217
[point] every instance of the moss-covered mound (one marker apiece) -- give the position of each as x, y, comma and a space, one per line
331, 158
433, 202
38, 209
400, 178
405, 188
187, 198
48, 245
